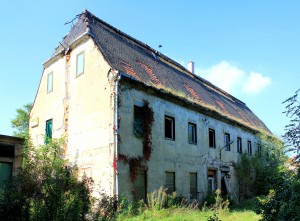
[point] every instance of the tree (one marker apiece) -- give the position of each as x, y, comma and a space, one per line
282, 202
292, 130
21, 121
47, 188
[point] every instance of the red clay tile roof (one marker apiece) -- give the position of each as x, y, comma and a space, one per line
146, 65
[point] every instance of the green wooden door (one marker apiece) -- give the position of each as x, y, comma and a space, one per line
5, 173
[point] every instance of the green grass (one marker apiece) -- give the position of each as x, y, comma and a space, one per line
184, 214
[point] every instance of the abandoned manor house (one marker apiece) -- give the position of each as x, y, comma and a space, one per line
135, 120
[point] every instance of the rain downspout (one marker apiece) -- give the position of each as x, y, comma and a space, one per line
116, 131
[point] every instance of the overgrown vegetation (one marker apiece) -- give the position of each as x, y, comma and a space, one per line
259, 173
47, 188
282, 201
140, 162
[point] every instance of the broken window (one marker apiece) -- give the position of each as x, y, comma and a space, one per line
249, 147
239, 145
170, 182
193, 186
50, 82
138, 123
227, 141
211, 178
192, 133
212, 138
80, 64
141, 185
169, 127
48, 136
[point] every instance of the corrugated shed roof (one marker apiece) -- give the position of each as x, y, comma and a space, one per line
154, 69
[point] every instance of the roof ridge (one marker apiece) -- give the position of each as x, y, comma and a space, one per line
162, 56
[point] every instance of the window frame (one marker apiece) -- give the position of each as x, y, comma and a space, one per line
172, 120
50, 74
213, 132
227, 145
137, 113
239, 145
47, 132
193, 136
259, 147
169, 191
249, 147
194, 195
83, 62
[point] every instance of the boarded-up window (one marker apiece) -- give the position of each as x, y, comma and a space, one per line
193, 185
138, 123
212, 138
141, 185
170, 182
5, 173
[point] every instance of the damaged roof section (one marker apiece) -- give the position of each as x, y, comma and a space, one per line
149, 67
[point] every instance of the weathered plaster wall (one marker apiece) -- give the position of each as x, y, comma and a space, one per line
82, 110
176, 156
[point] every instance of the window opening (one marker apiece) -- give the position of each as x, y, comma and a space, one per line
169, 127
192, 133
80, 64
193, 186
227, 141
170, 182
239, 145
48, 136
212, 139
50, 82
249, 148
138, 123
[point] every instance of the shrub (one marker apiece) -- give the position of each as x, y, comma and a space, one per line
47, 188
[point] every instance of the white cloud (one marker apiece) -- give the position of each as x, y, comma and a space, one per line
256, 82
224, 75
233, 80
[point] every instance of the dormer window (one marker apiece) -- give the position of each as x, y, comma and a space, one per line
80, 64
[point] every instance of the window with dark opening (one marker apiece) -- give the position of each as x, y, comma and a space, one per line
169, 127
193, 186
48, 136
138, 122
192, 133
212, 138
249, 148
239, 145
170, 182
227, 141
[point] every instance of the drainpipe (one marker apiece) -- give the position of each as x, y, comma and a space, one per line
116, 131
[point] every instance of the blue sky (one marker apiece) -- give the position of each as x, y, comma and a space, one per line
251, 49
